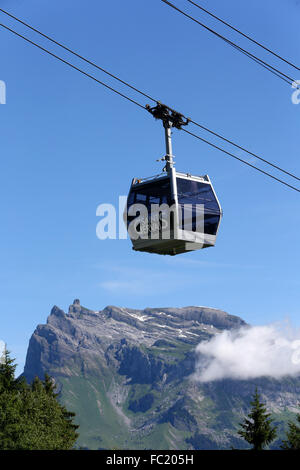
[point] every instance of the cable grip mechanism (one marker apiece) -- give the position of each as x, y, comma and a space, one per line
168, 116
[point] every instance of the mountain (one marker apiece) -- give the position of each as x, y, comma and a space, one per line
128, 376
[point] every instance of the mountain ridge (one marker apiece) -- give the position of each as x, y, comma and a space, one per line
127, 373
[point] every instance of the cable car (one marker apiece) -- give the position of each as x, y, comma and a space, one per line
172, 213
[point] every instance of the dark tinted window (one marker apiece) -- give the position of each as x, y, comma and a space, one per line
158, 192
194, 192
140, 198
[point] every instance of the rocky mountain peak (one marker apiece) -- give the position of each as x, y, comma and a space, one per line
75, 307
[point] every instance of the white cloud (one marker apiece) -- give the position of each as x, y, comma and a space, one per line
146, 280
143, 284
196, 263
130, 287
250, 352
2, 351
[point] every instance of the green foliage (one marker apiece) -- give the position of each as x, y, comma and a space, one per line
31, 418
257, 429
7, 373
293, 436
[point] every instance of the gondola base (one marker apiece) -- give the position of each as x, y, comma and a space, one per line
169, 247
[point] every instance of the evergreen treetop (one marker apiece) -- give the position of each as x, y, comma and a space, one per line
257, 428
293, 435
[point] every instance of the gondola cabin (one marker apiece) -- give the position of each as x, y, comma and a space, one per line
172, 213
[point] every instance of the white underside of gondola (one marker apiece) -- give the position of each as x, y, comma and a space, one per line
182, 242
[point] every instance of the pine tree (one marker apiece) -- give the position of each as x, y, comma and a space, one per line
49, 386
257, 428
31, 418
293, 436
7, 372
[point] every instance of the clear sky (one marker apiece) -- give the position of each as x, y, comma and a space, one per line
67, 145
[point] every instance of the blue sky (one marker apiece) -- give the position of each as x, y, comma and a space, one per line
67, 145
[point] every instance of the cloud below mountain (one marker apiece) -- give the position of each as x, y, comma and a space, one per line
250, 352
